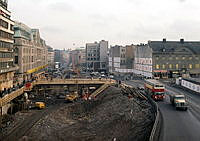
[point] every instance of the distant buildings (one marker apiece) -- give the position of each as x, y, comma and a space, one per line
31, 51
78, 57
62, 56
50, 56
7, 67
97, 56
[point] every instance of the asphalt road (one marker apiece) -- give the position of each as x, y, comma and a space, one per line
178, 125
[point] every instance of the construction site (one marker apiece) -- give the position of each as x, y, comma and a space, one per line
82, 110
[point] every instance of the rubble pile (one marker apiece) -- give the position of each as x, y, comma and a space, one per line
112, 115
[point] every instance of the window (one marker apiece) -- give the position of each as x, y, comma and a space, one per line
157, 57
190, 66
170, 58
157, 66
190, 58
11, 27
197, 66
176, 66
4, 24
163, 66
163, 58
183, 58
177, 58
170, 66
6, 35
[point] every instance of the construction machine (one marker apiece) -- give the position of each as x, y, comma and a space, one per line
72, 97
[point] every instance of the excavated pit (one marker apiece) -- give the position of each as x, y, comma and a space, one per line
111, 116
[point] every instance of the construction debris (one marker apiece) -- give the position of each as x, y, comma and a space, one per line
113, 115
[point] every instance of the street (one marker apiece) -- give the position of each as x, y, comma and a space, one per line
177, 125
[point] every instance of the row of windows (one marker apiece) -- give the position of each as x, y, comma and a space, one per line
123, 50
5, 45
4, 65
177, 66
3, 23
123, 55
92, 59
122, 61
4, 14
29, 59
6, 35
92, 54
177, 58
6, 55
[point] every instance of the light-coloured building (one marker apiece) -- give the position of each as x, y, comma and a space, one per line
50, 56
96, 56
163, 59
31, 51
7, 67
121, 59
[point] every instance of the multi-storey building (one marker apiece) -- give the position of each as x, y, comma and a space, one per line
97, 56
78, 58
7, 67
50, 56
143, 60
121, 59
31, 51
168, 58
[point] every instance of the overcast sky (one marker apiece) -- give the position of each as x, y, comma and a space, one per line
63, 23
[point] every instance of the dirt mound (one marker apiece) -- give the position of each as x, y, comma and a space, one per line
111, 115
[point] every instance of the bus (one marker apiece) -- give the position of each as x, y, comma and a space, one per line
155, 89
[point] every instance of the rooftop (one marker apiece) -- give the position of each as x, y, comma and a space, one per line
171, 46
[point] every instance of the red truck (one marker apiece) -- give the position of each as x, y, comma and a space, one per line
155, 89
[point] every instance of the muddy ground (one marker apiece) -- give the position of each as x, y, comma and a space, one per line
112, 116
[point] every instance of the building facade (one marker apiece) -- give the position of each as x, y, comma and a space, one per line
121, 59
50, 56
31, 51
169, 58
7, 67
97, 56
143, 60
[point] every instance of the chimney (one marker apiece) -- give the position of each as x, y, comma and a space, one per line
164, 40
182, 41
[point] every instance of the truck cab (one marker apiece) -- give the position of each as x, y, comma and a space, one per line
179, 101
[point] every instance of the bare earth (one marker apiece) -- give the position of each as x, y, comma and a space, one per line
111, 115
